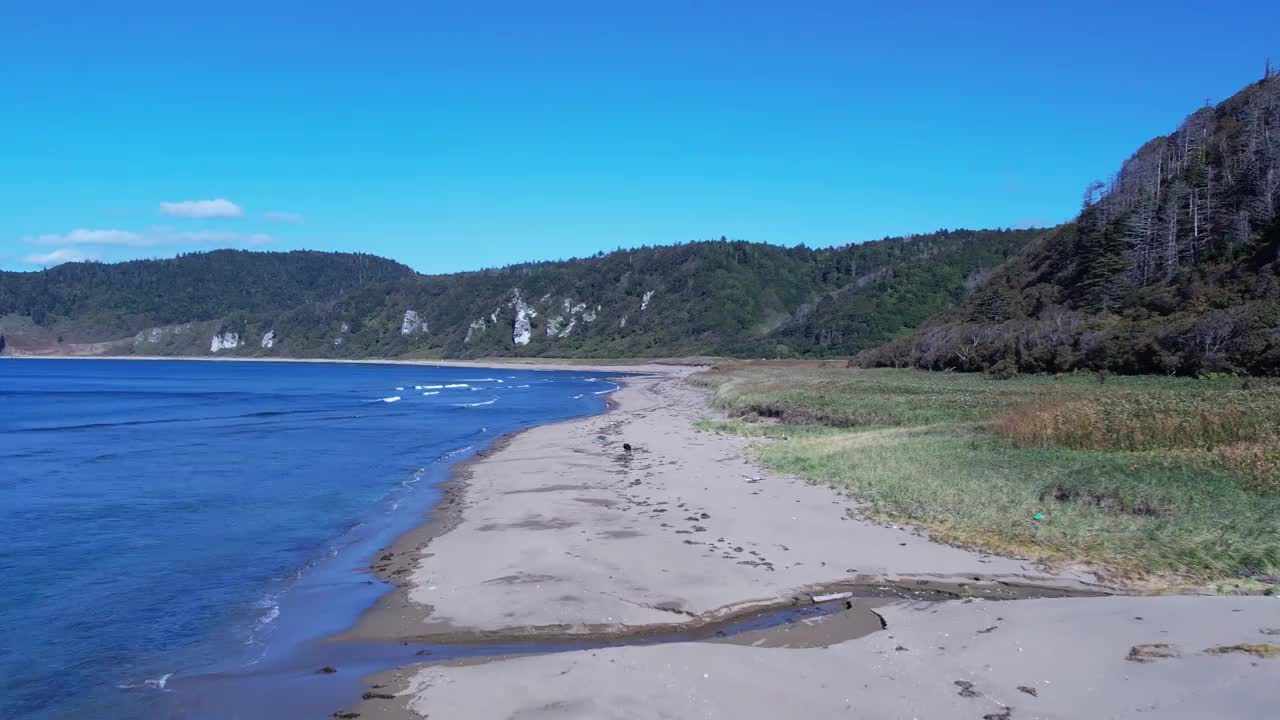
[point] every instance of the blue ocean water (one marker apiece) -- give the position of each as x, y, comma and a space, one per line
169, 519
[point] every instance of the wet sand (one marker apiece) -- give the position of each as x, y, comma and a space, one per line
559, 533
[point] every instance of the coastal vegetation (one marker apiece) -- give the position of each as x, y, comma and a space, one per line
1171, 480
1172, 267
720, 297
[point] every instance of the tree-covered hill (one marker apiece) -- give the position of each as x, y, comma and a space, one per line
1173, 266
718, 297
199, 286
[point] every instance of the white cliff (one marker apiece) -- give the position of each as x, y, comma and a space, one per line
269, 339
644, 303
224, 341
412, 323
522, 328
558, 327
152, 335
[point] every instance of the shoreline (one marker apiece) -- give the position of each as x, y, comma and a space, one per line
384, 621
637, 365
555, 535
393, 562
397, 618
287, 674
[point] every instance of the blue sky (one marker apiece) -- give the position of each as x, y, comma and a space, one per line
452, 137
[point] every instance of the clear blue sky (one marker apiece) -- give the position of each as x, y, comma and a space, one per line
460, 135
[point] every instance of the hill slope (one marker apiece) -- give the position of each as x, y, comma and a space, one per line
721, 297
1171, 267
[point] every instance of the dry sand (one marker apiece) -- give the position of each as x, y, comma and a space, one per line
561, 532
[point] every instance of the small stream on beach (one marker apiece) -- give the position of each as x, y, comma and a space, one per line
169, 520
318, 678
321, 677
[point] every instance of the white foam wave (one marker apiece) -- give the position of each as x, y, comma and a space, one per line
477, 404
612, 389
154, 683
417, 475
272, 606
427, 387
400, 388
454, 453
522, 386
457, 385
429, 394
393, 398
576, 397
481, 380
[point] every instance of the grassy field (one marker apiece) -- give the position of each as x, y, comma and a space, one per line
1168, 480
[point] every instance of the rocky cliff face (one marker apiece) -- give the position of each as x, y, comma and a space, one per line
411, 323
224, 341
522, 330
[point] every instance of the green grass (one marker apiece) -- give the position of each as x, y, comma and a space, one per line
1150, 490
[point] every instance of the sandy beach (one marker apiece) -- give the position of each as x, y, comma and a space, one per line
560, 533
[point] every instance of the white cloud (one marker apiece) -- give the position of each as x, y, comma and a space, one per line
152, 237
280, 216
218, 208
57, 257
82, 236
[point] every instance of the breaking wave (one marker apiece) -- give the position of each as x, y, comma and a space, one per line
477, 404
151, 684
454, 453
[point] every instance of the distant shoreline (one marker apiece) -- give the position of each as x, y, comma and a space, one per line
619, 365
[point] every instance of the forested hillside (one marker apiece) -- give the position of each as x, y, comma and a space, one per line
1171, 267
715, 297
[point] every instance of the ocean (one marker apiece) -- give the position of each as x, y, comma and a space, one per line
165, 520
